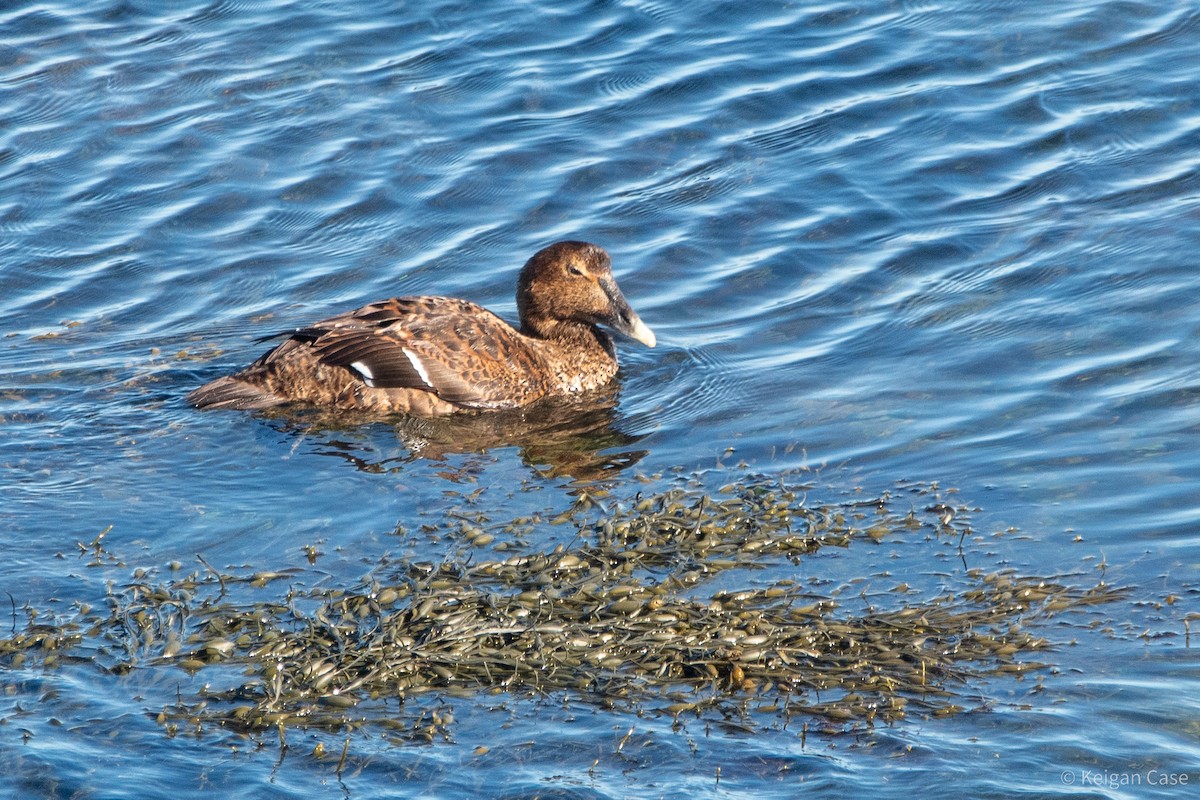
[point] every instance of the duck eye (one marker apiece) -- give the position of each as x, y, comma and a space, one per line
574, 270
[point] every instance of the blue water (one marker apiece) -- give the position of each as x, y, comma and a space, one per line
951, 242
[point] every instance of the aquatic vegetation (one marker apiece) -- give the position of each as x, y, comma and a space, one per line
657, 604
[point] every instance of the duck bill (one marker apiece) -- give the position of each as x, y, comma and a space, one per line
623, 319
638, 330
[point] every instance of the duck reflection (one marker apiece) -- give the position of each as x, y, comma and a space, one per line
578, 438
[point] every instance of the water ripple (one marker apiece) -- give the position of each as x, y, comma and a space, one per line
950, 241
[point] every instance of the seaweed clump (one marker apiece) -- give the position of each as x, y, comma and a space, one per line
642, 610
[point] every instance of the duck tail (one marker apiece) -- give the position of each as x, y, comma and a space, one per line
233, 392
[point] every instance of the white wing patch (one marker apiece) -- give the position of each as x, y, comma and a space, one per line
418, 366
365, 371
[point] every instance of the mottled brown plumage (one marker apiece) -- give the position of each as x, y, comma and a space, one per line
439, 355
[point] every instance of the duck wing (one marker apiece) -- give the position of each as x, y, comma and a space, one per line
455, 349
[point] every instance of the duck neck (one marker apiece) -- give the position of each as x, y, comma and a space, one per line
577, 356
571, 333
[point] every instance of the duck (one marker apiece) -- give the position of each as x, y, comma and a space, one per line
433, 356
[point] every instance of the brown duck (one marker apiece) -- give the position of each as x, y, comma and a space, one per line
439, 355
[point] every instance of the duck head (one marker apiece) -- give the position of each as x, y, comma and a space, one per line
571, 283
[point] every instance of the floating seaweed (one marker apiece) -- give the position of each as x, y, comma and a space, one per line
634, 613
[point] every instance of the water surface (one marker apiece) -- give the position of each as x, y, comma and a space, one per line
948, 242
